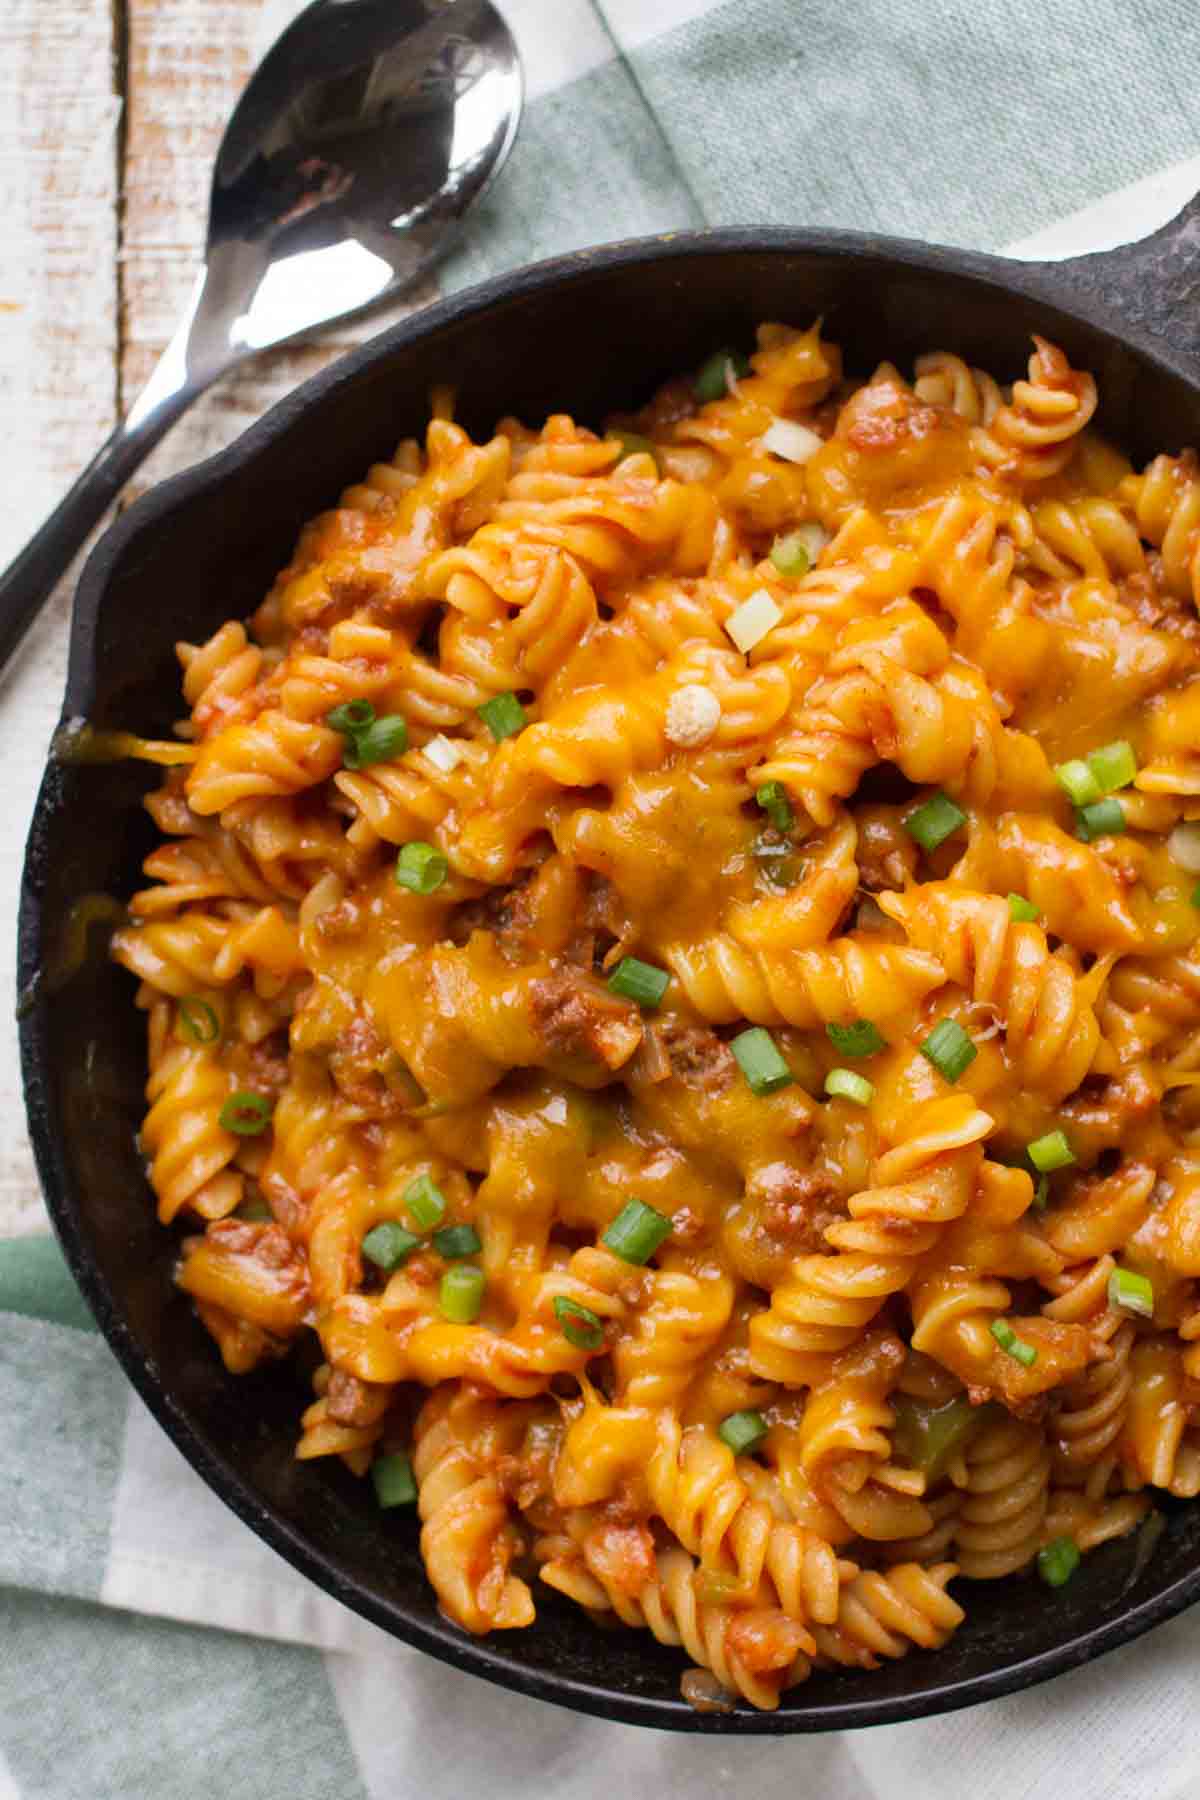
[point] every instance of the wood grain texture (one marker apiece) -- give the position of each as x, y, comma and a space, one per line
58, 199
58, 341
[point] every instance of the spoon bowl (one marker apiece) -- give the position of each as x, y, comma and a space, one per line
365, 135
343, 176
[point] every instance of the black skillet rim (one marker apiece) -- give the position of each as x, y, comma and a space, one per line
1052, 284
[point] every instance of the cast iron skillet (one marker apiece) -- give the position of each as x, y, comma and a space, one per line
587, 333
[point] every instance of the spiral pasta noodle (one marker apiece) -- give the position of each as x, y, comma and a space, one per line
919, 1186
886, 1614
753, 1651
1047, 1012
467, 1537
1033, 435
670, 955
1165, 499
999, 1527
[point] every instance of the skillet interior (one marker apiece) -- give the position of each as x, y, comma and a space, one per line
585, 335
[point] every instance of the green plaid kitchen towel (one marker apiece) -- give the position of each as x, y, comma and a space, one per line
149, 1645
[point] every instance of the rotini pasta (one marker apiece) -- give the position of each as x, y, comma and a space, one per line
682, 943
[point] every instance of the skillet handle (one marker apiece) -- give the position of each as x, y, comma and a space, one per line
197, 354
30, 579
1151, 287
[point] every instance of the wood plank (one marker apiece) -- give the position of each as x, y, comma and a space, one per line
58, 341
58, 199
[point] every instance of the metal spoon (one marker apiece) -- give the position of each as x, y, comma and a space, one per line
365, 134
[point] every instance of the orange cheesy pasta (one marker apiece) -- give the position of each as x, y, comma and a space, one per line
674, 954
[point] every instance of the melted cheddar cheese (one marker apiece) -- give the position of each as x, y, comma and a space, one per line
788, 728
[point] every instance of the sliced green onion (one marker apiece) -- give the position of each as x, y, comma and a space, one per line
453, 1241
742, 1430
712, 376
1015, 1347
1077, 779
461, 1293
503, 715
639, 981
927, 1436
860, 1039
421, 868
1050, 1152
254, 1212
772, 796
760, 1061
813, 536
633, 444
1041, 1194
1114, 766
246, 1115
381, 742
1021, 908
425, 1201
790, 554
849, 1086
636, 1232
198, 1020
1196, 895
389, 1244
580, 1325
949, 1049
935, 821
1133, 1293
1105, 819
775, 862
393, 1479
1058, 1561
351, 717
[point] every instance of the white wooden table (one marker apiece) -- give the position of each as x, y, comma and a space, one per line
110, 115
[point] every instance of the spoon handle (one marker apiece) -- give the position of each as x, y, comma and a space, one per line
188, 365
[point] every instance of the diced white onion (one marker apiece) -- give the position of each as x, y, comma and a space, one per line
752, 620
442, 753
650, 1062
1183, 846
693, 714
795, 443
985, 1021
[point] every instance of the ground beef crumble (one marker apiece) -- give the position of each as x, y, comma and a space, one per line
796, 1206
698, 1056
577, 1018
